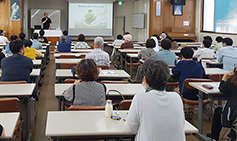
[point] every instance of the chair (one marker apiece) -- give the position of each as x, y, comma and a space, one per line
13, 82
67, 56
123, 104
70, 80
85, 108
171, 85
102, 66
114, 82
216, 77
171, 66
192, 103
67, 65
83, 56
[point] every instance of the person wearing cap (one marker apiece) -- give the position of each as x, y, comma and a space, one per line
64, 46
3, 39
127, 43
98, 55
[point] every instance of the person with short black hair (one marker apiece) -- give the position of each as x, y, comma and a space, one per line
16, 67
3, 39
165, 54
22, 36
227, 54
187, 68
35, 43
87, 91
146, 115
64, 46
1, 131
65, 33
31, 52
149, 51
8, 51
205, 51
208, 38
81, 43
219, 43
42, 39
164, 35
46, 21
118, 41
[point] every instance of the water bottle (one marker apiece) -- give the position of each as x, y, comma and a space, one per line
108, 109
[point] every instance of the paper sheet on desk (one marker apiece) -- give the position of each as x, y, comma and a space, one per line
110, 73
214, 85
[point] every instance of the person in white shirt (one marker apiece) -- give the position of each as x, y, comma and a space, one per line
98, 55
156, 115
204, 52
118, 42
156, 38
3, 40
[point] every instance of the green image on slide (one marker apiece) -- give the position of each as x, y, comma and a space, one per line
90, 17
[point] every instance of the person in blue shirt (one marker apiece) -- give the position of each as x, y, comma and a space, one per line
12, 38
35, 43
187, 68
64, 46
227, 54
165, 54
65, 33
22, 36
16, 67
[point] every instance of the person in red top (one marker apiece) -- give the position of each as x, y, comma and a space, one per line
127, 43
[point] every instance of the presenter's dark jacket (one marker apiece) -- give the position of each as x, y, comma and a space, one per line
46, 25
16, 68
64, 47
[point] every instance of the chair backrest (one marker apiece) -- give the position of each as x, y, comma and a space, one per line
70, 80
85, 108
103, 66
171, 66
9, 105
13, 82
114, 82
125, 104
67, 65
186, 82
67, 56
83, 56
216, 77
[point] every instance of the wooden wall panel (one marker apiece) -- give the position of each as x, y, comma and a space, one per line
11, 27
168, 22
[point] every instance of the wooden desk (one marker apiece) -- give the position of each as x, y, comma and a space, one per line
9, 122
124, 52
127, 90
52, 35
81, 50
60, 61
57, 55
34, 73
131, 56
182, 36
210, 71
62, 74
100, 127
214, 64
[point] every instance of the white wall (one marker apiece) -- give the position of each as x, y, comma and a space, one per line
200, 35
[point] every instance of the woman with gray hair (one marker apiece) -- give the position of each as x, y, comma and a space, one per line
150, 111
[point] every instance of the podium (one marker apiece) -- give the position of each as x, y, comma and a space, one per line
51, 35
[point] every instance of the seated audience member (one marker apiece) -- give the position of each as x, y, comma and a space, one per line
165, 54
219, 43
16, 67
156, 38
65, 33
36, 44
208, 38
227, 54
118, 41
42, 39
204, 52
22, 36
81, 43
1, 131
146, 115
31, 52
98, 55
187, 68
127, 43
87, 91
126, 33
64, 46
149, 51
165, 35
224, 117
3, 39
12, 38
1, 56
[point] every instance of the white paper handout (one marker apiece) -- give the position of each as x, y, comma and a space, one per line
110, 73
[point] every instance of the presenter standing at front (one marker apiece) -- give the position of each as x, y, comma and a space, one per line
46, 21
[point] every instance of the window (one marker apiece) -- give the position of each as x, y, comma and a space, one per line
220, 16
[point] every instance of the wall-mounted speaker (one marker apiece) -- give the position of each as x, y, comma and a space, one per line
178, 2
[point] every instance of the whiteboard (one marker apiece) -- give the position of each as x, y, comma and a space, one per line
138, 20
38, 14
